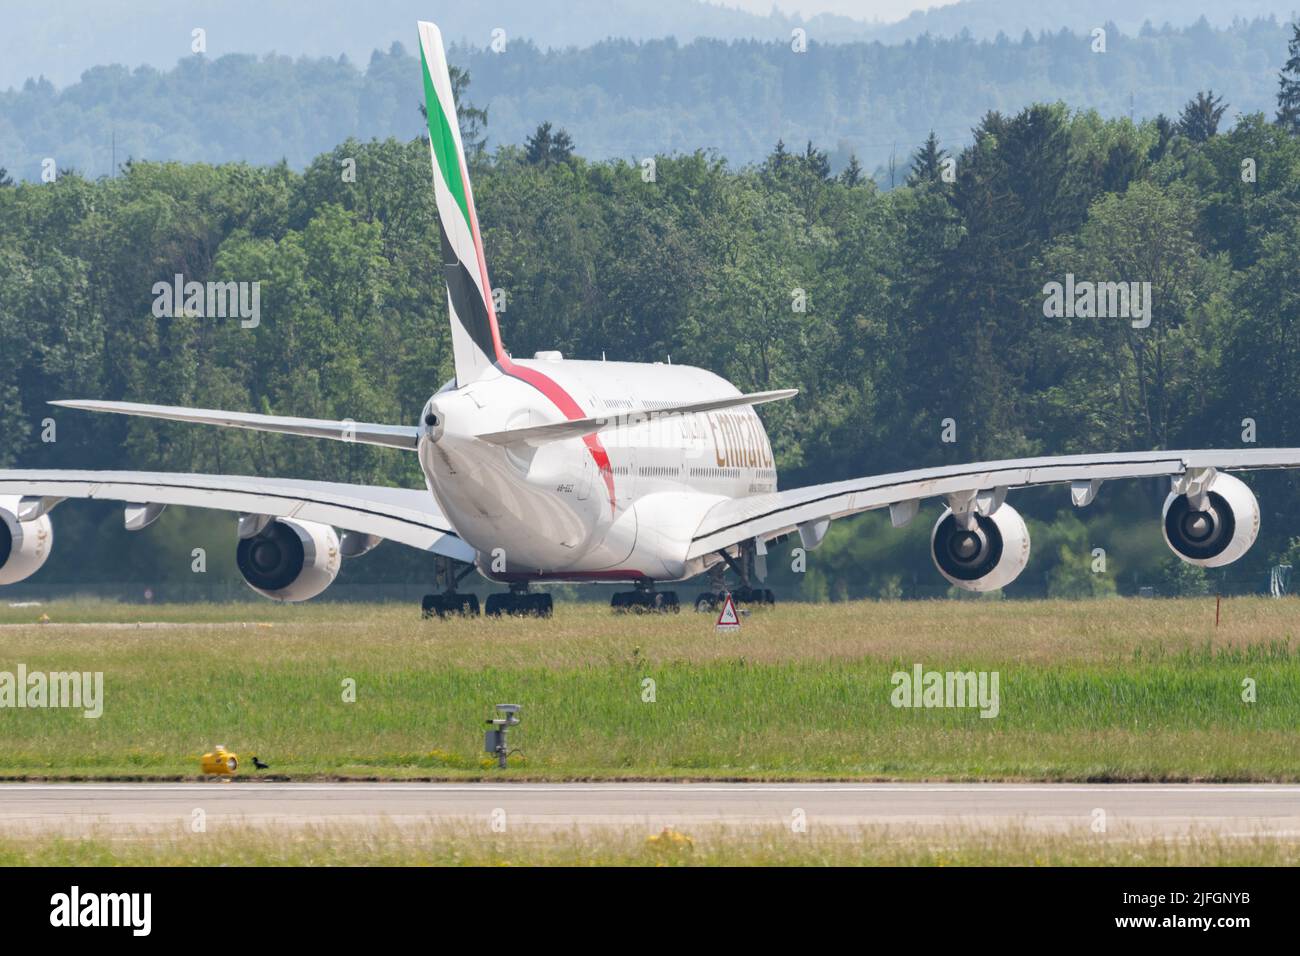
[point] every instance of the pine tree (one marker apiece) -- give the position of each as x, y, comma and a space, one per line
927, 162
778, 161
1288, 93
548, 146
817, 162
472, 120
1200, 118
852, 173
1165, 129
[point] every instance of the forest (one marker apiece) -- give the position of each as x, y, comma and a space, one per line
621, 98
913, 320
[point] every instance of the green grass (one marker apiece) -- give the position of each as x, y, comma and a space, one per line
1104, 690
450, 844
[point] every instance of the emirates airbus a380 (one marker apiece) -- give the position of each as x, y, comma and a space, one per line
552, 469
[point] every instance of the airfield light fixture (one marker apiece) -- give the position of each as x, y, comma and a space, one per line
494, 742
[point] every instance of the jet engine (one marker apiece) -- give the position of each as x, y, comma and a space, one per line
290, 560
1213, 526
24, 545
988, 554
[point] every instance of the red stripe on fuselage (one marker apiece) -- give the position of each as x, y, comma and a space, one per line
571, 410
562, 399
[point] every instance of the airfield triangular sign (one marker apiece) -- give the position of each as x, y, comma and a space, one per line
728, 620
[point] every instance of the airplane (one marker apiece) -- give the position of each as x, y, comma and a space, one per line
554, 469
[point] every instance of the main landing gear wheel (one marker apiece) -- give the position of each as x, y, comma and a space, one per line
448, 600
645, 601
440, 605
748, 566
520, 604
742, 596
753, 596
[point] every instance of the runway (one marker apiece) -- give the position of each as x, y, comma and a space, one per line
1227, 810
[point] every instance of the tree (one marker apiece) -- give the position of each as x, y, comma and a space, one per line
5, 178
779, 160
548, 146
472, 120
1165, 129
1288, 92
1261, 343
1140, 384
1123, 162
852, 174
816, 162
1200, 118
927, 162
1180, 579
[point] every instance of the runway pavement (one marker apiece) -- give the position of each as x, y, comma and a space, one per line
1231, 810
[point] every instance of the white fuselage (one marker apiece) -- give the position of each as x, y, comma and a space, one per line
617, 505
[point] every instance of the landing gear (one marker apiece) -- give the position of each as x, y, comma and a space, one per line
448, 600
440, 605
645, 599
748, 595
710, 601
750, 562
520, 602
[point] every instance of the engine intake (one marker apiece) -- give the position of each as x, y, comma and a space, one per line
1216, 530
290, 560
985, 557
24, 545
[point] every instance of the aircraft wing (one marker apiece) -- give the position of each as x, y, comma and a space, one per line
363, 433
577, 427
771, 515
407, 516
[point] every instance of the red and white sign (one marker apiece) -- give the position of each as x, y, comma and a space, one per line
728, 620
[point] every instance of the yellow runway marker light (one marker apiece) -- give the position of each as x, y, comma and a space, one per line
220, 762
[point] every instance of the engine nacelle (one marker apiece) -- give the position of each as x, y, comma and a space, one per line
1219, 532
986, 557
290, 560
24, 545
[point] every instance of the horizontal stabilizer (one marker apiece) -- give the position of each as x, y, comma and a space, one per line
364, 433
577, 427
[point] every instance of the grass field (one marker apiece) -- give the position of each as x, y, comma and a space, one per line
451, 845
1128, 690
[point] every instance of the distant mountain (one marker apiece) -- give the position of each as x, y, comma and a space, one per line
621, 98
984, 19
59, 41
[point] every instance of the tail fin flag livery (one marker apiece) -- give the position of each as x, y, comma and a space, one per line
476, 342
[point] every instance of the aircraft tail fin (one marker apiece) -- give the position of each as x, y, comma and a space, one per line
476, 341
